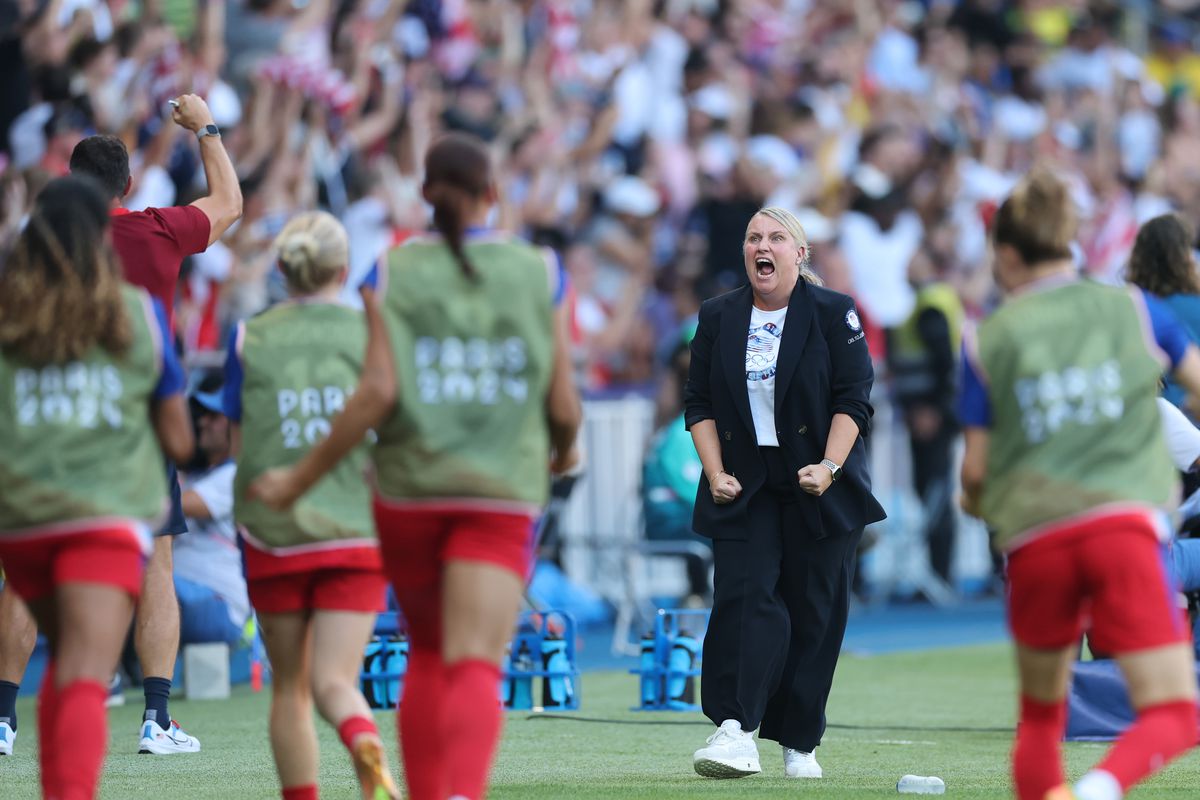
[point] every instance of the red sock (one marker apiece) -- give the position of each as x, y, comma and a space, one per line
79, 739
353, 727
300, 793
471, 725
420, 720
1037, 760
1158, 735
47, 703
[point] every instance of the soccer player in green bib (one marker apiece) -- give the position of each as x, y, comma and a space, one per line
1066, 461
468, 383
313, 572
91, 398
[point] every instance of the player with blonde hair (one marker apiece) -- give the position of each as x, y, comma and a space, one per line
313, 573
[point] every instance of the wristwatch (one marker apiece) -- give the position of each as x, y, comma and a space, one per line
835, 469
208, 130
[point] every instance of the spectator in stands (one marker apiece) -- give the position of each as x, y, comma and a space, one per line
1172, 61
1163, 264
213, 606
922, 356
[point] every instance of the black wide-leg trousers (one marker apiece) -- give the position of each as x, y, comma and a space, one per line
780, 604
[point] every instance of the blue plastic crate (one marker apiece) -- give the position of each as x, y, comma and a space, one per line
546, 639
670, 661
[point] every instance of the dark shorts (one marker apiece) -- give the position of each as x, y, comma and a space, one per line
176, 524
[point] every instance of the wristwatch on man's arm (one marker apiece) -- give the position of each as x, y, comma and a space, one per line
834, 468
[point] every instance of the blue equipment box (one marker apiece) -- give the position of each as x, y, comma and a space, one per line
670, 661
542, 648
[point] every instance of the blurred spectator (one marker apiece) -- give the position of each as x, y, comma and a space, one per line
1164, 265
923, 360
670, 474
213, 604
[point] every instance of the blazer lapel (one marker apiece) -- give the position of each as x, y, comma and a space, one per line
795, 334
735, 328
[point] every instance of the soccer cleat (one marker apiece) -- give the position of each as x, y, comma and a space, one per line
1063, 792
731, 753
799, 764
371, 768
158, 742
8, 737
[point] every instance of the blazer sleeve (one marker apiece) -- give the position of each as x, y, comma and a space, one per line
697, 394
851, 372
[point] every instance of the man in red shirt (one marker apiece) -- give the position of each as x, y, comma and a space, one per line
151, 245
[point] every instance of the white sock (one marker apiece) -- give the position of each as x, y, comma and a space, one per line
1098, 785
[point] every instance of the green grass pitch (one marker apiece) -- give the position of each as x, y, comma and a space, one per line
943, 712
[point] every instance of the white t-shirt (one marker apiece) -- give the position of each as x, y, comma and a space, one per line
879, 262
1183, 439
208, 554
762, 353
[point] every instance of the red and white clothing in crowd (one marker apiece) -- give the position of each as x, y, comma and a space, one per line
1107, 238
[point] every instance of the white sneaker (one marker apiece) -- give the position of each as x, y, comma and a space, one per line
798, 764
731, 753
8, 737
164, 743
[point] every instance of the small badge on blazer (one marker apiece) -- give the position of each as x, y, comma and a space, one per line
852, 321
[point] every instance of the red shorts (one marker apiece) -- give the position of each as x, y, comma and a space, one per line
1106, 575
319, 590
107, 552
416, 542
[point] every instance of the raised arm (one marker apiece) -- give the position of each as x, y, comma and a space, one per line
223, 204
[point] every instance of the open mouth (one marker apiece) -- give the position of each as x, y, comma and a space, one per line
764, 267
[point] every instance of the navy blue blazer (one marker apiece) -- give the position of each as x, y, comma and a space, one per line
823, 369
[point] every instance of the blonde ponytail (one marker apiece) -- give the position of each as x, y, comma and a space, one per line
312, 249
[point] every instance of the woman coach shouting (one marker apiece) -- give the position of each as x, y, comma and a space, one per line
776, 402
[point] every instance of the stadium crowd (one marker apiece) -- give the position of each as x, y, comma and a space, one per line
633, 137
